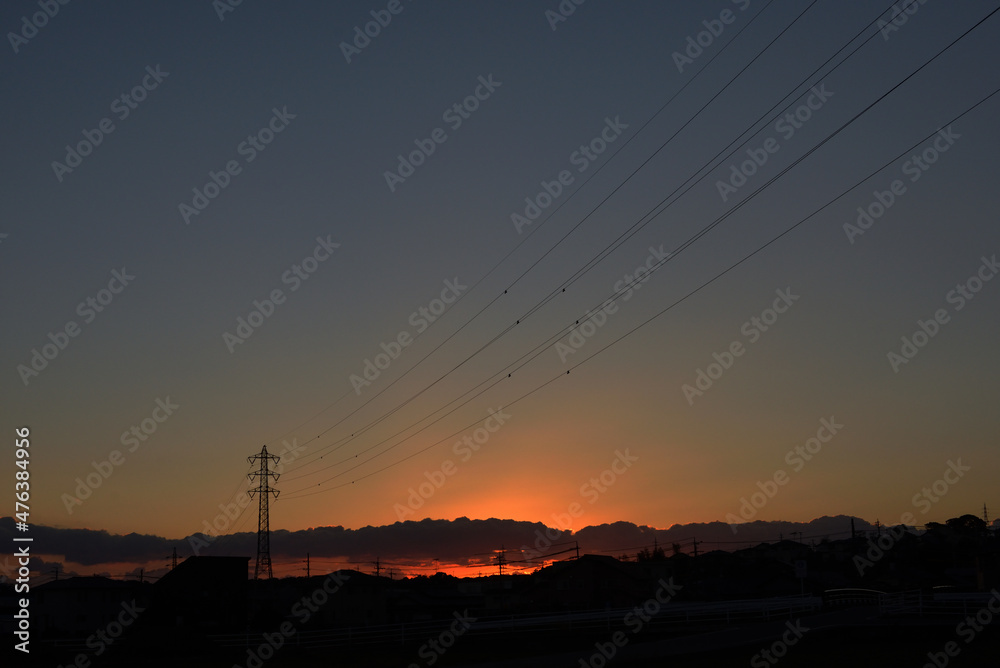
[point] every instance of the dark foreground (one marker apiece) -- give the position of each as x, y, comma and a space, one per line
829, 641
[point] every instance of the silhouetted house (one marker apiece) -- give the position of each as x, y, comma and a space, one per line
590, 582
360, 599
749, 573
786, 551
317, 602
432, 598
502, 594
206, 594
77, 607
839, 552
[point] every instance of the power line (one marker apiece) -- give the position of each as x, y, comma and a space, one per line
719, 220
604, 253
794, 164
535, 229
544, 345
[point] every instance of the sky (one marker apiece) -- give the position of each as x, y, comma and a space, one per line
417, 264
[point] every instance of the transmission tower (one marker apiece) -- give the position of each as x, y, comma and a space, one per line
263, 490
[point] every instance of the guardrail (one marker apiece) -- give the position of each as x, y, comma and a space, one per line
922, 604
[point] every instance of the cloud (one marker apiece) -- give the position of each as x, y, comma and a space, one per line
89, 547
459, 541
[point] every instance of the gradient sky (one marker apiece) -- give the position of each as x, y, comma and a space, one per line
323, 176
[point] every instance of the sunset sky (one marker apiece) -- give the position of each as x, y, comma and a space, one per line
257, 157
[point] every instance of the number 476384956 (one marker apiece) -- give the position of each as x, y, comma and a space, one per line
21, 487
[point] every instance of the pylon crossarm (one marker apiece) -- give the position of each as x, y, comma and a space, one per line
263, 478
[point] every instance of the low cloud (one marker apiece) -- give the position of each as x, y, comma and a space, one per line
460, 541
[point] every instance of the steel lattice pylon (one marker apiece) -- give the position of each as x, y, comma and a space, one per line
263, 490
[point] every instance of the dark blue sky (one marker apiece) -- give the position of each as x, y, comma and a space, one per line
342, 126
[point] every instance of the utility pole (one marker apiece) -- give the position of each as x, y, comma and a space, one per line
378, 567
986, 515
173, 561
263, 490
577, 549
693, 540
307, 564
501, 559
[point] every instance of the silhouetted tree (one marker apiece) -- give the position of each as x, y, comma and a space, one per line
656, 555
967, 524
